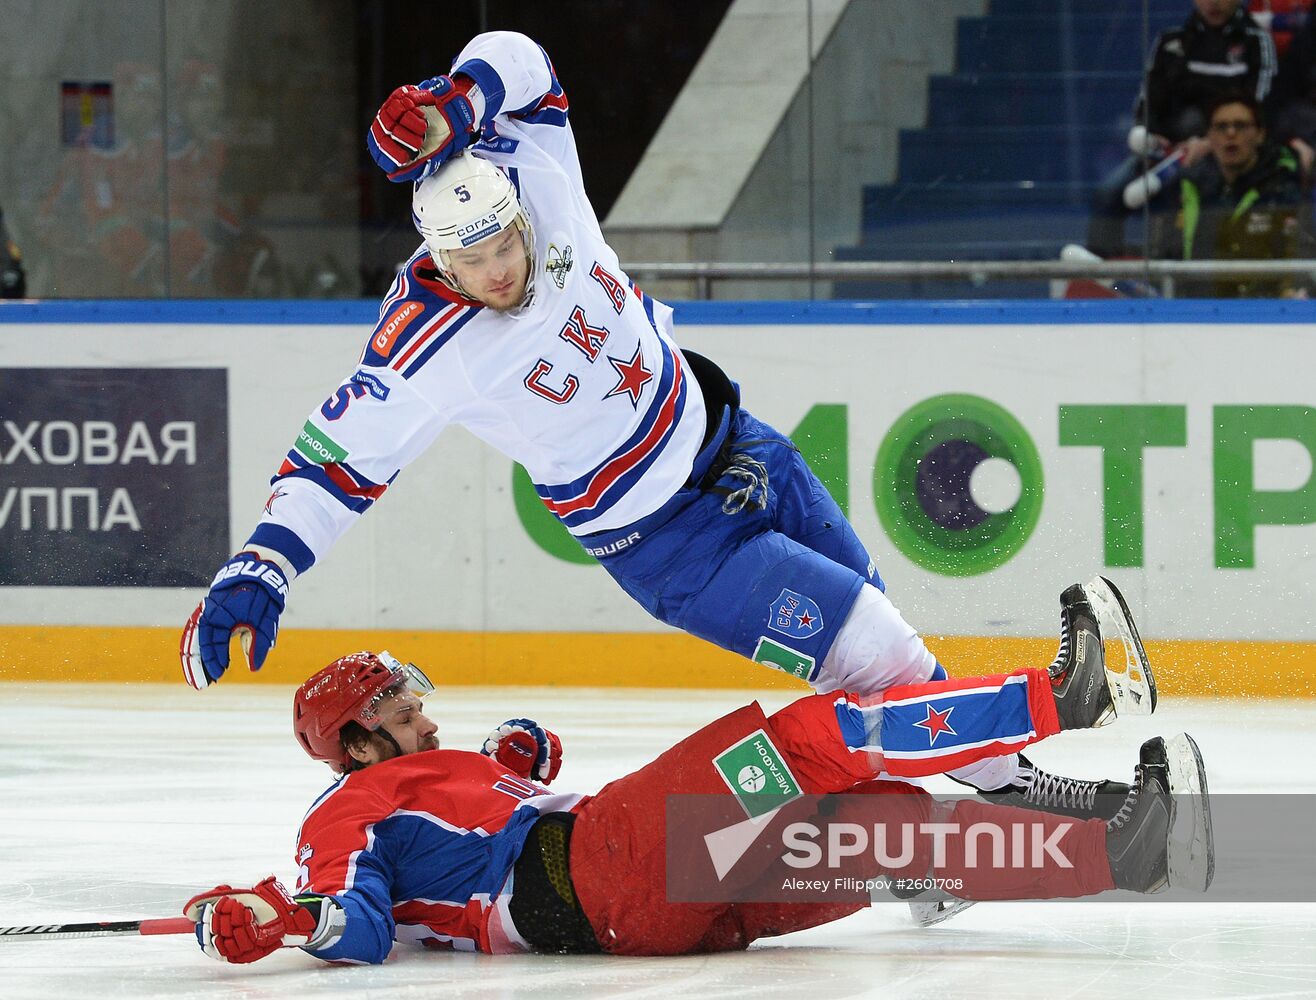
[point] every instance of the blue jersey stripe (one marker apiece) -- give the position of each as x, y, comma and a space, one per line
860, 727
489, 82
286, 542
406, 290
317, 475
548, 109
626, 482
568, 491
548, 116
445, 864
448, 333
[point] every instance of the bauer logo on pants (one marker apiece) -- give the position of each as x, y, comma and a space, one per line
795, 615
757, 774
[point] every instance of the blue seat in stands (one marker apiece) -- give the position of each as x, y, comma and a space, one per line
1037, 110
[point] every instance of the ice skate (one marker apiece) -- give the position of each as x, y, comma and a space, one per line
1090, 688
1034, 788
931, 905
1078, 675
1161, 835
1128, 671
928, 912
1192, 843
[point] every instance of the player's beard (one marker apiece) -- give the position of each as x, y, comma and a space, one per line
508, 301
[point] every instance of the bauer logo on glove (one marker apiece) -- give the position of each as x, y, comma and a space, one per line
246, 596
526, 749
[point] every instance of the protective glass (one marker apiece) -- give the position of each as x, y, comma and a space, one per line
406, 675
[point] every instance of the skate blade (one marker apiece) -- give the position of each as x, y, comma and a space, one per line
929, 914
1128, 671
1192, 844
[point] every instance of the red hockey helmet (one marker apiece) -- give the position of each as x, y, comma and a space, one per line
349, 690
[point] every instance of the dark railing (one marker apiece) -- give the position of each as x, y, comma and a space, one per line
1160, 273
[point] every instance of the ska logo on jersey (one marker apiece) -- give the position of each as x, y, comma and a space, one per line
558, 264
795, 615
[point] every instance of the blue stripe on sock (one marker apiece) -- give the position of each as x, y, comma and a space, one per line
974, 719
860, 727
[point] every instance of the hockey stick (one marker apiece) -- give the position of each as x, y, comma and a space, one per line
103, 928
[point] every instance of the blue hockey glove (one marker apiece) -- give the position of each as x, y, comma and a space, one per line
526, 749
247, 597
408, 142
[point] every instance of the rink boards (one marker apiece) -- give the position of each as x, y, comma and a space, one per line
988, 455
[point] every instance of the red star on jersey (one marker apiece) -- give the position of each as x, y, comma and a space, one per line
269, 504
937, 723
631, 377
805, 619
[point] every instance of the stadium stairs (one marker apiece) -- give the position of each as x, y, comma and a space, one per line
1035, 113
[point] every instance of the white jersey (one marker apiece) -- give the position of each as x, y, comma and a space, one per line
584, 386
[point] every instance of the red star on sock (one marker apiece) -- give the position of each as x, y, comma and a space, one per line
937, 723
632, 377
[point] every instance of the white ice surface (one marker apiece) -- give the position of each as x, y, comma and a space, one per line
118, 802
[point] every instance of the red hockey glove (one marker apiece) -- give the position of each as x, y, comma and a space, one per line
526, 749
244, 925
404, 138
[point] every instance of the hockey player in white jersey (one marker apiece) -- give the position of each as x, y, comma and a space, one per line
515, 319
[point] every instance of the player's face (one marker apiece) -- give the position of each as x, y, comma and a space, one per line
1216, 12
494, 270
401, 715
1235, 137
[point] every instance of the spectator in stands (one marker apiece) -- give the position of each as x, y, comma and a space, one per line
1282, 18
1243, 202
1294, 96
13, 282
1220, 49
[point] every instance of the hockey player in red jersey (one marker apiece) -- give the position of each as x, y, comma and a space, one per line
471, 851
515, 319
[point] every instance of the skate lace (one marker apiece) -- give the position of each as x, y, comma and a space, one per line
1130, 803
754, 494
1061, 662
1051, 790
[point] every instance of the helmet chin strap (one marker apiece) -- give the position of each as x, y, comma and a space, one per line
531, 259
526, 299
381, 731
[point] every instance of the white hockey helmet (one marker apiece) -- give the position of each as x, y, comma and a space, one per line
465, 201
